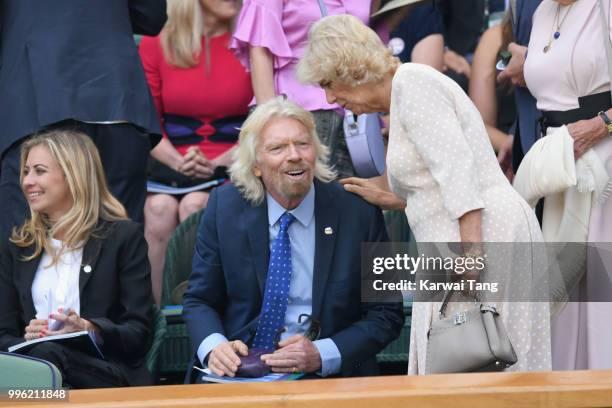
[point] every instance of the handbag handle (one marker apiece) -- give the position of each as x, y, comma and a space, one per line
446, 299
323, 8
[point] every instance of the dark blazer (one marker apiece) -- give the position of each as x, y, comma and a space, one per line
66, 59
528, 129
464, 22
230, 265
115, 295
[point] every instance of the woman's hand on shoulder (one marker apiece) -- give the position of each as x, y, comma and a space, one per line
373, 193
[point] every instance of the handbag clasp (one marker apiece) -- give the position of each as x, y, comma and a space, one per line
459, 318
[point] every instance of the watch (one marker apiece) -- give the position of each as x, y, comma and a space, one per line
606, 120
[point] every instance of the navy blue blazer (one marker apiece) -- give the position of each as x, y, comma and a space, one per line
230, 265
66, 59
527, 111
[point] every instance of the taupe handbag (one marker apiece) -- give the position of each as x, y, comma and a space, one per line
474, 340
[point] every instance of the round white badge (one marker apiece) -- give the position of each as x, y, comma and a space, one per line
396, 45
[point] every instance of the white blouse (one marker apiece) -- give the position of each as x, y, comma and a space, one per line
57, 285
576, 63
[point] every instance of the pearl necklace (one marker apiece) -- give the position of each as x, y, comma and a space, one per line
557, 33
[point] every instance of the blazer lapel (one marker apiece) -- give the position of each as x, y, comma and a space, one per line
28, 272
91, 254
255, 220
326, 229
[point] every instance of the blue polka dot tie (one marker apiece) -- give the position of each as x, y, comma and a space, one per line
276, 295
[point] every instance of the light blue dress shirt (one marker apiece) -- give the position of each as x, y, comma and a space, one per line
302, 236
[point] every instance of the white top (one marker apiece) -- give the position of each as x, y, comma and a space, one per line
58, 285
576, 63
440, 160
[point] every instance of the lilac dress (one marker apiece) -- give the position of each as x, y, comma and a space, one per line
282, 27
576, 66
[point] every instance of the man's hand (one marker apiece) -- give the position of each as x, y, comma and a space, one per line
373, 193
457, 63
586, 133
224, 360
514, 70
504, 157
35, 329
296, 354
196, 165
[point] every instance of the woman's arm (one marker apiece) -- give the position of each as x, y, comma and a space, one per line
168, 155
226, 159
262, 74
130, 330
11, 327
587, 133
429, 51
470, 229
483, 83
376, 191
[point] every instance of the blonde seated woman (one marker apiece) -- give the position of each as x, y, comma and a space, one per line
78, 263
440, 165
202, 93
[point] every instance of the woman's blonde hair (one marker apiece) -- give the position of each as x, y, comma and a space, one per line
341, 48
245, 156
181, 38
78, 158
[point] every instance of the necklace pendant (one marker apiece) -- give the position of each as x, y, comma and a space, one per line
557, 34
546, 48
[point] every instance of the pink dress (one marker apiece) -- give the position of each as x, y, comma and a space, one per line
282, 27
576, 66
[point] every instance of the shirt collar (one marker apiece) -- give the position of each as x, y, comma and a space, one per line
303, 212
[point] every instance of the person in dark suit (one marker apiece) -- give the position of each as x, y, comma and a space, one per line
527, 127
76, 264
281, 242
74, 65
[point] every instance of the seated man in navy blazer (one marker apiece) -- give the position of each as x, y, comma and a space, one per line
280, 242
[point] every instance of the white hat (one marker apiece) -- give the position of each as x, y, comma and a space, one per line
394, 4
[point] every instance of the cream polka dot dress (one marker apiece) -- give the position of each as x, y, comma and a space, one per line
440, 160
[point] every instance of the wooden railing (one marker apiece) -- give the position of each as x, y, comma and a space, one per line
488, 390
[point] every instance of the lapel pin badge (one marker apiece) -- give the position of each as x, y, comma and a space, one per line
87, 269
329, 231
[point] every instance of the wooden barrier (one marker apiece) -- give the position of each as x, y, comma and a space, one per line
487, 390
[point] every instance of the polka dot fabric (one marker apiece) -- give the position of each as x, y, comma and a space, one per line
276, 294
440, 160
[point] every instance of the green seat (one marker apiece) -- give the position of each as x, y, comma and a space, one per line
179, 256
397, 226
159, 333
176, 349
399, 231
397, 350
17, 371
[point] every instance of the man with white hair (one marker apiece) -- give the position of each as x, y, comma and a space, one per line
281, 242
